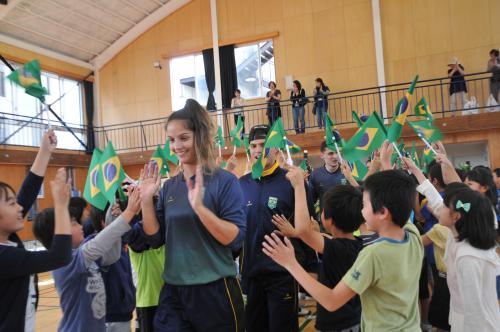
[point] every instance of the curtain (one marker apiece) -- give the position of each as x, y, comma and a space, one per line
88, 91
229, 80
208, 62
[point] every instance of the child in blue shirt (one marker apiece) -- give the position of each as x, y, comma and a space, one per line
80, 284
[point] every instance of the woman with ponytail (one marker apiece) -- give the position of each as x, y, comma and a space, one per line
200, 220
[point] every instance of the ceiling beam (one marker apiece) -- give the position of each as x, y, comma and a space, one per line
44, 51
136, 8
109, 12
49, 37
88, 18
4, 10
65, 27
137, 30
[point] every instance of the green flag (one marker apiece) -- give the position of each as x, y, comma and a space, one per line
28, 76
366, 139
422, 109
92, 192
260, 164
356, 119
427, 157
359, 170
219, 139
303, 165
169, 154
246, 143
395, 157
399, 118
161, 160
275, 136
426, 130
294, 148
236, 133
414, 155
111, 173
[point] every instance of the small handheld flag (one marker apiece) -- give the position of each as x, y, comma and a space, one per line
29, 77
92, 193
235, 134
422, 109
359, 170
161, 160
111, 173
426, 130
400, 114
169, 154
366, 139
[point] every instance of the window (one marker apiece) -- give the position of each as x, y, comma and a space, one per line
255, 68
15, 104
187, 77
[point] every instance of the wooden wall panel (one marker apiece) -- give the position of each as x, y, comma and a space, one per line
421, 36
332, 39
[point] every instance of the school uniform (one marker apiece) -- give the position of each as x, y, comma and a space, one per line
272, 303
200, 291
18, 279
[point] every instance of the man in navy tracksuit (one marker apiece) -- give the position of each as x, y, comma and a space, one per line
272, 303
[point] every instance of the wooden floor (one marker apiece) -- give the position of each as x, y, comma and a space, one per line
49, 313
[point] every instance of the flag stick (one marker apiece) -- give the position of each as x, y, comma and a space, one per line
289, 159
220, 152
427, 143
338, 151
234, 150
397, 150
168, 175
248, 157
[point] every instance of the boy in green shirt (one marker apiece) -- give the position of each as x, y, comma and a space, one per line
386, 273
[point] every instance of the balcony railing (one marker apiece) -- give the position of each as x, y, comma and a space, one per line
144, 135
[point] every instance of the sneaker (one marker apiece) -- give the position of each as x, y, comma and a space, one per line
426, 327
304, 312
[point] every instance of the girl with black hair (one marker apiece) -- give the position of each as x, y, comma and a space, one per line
273, 97
481, 180
320, 92
471, 261
200, 219
298, 98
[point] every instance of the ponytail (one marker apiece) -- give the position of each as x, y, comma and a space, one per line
198, 121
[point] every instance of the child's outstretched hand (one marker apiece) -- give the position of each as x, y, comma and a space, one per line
296, 176
284, 226
281, 253
134, 202
49, 141
61, 188
385, 155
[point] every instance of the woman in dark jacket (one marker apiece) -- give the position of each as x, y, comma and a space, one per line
321, 92
298, 98
273, 98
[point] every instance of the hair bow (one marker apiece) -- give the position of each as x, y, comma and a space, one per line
465, 206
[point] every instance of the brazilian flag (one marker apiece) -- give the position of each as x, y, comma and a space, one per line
366, 139
161, 160
111, 173
395, 157
426, 130
422, 109
169, 154
303, 165
414, 155
359, 170
219, 139
276, 136
260, 164
332, 135
399, 118
92, 192
427, 156
294, 148
28, 76
236, 133
246, 143
356, 119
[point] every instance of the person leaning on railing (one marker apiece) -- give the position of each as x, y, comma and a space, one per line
320, 93
494, 67
237, 105
273, 97
299, 99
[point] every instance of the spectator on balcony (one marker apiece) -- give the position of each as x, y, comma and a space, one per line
458, 88
320, 93
299, 99
494, 68
237, 107
273, 97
